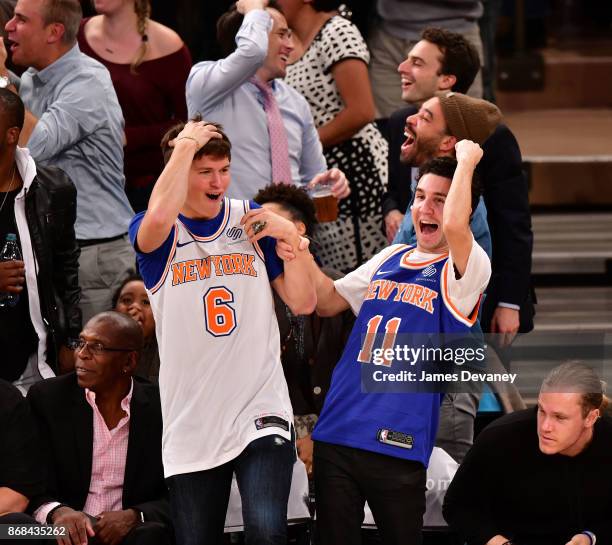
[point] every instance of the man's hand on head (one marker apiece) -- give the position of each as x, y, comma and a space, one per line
468, 152
393, 221
244, 6
196, 134
340, 185
113, 526
78, 526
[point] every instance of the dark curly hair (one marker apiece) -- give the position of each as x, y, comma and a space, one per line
445, 167
459, 56
293, 199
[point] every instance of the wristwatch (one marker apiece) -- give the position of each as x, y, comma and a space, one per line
4, 82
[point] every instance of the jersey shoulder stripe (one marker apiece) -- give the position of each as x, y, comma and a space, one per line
466, 320
168, 261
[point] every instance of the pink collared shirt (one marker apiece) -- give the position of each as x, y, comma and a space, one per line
108, 460
109, 455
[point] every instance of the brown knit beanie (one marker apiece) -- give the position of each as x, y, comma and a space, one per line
469, 118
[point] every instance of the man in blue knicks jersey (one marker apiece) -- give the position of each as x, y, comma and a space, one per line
209, 263
376, 446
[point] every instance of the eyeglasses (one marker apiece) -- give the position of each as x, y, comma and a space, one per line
97, 348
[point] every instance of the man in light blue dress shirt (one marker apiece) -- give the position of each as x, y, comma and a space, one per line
74, 122
221, 92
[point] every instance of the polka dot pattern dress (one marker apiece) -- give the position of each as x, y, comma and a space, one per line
357, 235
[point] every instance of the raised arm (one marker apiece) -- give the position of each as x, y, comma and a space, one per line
457, 208
170, 190
210, 82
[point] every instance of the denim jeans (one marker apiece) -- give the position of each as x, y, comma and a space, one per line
263, 472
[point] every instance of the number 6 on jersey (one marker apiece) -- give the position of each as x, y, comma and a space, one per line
219, 315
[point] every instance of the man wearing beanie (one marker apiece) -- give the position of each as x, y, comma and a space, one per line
469, 118
442, 61
432, 132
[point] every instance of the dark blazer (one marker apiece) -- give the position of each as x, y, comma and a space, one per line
506, 197
65, 420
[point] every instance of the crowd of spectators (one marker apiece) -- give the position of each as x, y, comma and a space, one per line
179, 314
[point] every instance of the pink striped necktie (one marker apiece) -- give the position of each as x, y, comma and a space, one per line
279, 149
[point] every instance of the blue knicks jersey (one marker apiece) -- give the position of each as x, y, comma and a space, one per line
405, 300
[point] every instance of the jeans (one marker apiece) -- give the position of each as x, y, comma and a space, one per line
263, 472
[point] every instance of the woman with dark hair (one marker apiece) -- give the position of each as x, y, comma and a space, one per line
131, 298
331, 72
149, 65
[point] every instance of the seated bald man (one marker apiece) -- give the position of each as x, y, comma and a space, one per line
101, 434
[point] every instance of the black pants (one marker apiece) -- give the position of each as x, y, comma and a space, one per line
346, 477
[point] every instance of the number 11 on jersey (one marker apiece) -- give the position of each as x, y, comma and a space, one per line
391, 329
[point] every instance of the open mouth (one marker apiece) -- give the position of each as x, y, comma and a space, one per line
213, 196
428, 227
406, 83
410, 138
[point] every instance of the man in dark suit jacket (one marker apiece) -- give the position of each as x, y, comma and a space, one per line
444, 61
101, 434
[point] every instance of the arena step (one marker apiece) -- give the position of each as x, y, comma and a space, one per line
568, 155
572, 244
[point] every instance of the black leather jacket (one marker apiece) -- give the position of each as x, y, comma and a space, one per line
50, 206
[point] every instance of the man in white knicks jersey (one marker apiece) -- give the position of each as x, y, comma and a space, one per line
208, 263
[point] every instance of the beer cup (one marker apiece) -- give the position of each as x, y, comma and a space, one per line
326, 205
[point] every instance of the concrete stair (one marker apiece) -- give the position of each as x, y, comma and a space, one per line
565, 130
568, 154
572, 244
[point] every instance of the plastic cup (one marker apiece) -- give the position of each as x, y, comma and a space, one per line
326, 205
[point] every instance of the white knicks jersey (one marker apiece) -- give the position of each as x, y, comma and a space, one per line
221, 380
